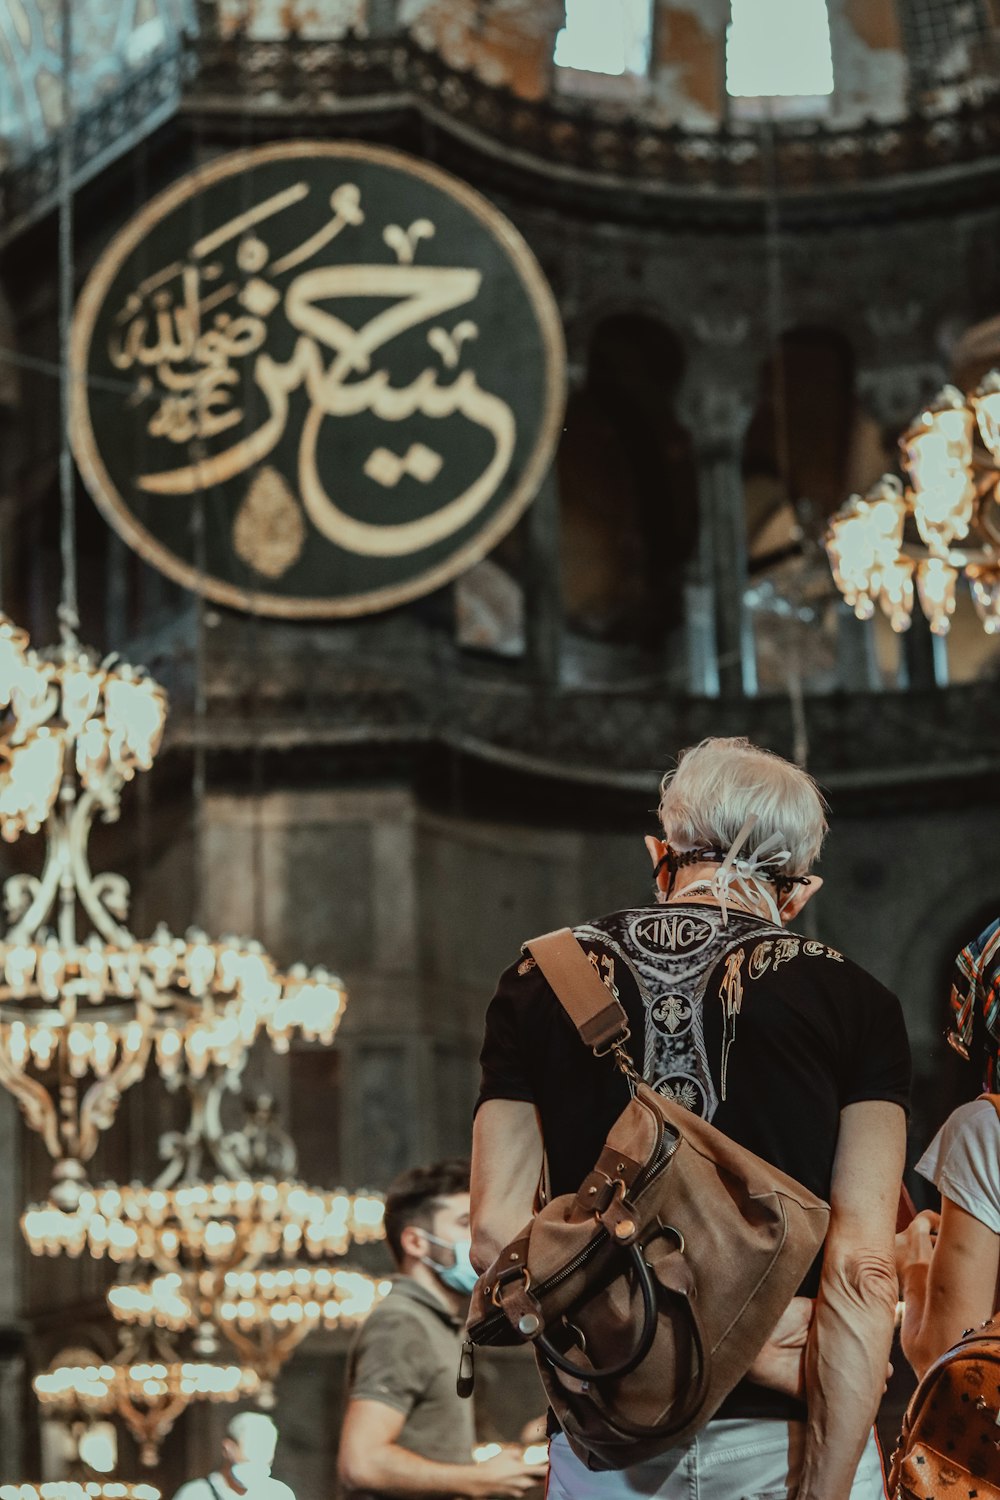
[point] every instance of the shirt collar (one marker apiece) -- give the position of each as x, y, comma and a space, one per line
406, 1286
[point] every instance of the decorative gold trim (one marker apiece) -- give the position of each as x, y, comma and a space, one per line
104, 492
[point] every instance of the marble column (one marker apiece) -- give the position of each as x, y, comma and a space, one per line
717, 415
542, 583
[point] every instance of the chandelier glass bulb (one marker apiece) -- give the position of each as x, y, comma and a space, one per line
986, 403
940, 440
863, 544
936, 581
985, 585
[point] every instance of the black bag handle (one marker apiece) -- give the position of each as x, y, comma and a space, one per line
674, 1424
642, 1348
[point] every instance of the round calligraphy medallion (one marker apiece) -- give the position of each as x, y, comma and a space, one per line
316, 378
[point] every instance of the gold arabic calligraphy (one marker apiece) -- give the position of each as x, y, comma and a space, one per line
176, 333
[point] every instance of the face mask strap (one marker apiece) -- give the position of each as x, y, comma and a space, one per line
744, 874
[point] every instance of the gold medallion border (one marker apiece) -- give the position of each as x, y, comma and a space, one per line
105, 493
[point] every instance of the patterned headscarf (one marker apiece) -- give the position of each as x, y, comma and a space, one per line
976, 985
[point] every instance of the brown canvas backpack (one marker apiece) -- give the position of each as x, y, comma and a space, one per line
648, 1293
949, 1448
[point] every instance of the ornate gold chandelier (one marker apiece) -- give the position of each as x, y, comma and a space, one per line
263, 1314
81, 1014
147, 1384
240, 1261
896, 542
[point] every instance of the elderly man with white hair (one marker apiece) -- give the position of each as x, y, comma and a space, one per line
791, 1050
245, 1471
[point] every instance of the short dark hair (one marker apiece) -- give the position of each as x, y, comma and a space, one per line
415, 1196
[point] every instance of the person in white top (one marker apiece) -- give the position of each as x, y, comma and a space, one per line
245, 1472
949, 1263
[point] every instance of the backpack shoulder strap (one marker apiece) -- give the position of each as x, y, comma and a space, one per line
599, 1018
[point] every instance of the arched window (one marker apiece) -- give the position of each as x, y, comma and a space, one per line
606, 36
779, 49
628, 495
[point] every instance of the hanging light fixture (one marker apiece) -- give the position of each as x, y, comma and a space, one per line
80, 1489
226, 1199
82, 1013
216, 1223
243, 1260
896, 544
147, 1385
264, 1314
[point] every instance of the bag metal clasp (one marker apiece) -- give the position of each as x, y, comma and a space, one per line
504, 1278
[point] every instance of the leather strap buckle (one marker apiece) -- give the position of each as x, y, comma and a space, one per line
614, 1045
505, 1278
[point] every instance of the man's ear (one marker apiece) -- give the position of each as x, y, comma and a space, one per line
413, 1242
656, 850
800, 894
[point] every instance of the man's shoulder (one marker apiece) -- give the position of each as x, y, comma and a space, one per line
400, 1307
194, 1489
783, 952
605, 933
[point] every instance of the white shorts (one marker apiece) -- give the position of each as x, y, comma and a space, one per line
730, 1459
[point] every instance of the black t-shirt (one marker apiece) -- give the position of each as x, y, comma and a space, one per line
765, 1033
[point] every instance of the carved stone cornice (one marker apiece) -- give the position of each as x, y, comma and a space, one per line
618, 738
715, 177
591, 150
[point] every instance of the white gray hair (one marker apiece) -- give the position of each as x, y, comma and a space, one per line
720, 783
256, 1435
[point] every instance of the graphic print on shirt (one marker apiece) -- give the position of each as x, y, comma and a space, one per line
671, 953
731, 995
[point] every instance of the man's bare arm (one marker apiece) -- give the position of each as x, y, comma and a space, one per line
948, 1283
371, 1459
848, 1348
506, 1166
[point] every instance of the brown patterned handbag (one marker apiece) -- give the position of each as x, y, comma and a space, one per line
648, 1293
949, 1448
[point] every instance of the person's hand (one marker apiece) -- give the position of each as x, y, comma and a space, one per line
780, 1365
506, 1474
535, 1431
915, 1246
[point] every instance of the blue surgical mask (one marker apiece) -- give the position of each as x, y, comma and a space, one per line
461, 1275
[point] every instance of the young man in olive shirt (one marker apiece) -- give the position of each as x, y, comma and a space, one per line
406, 1432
